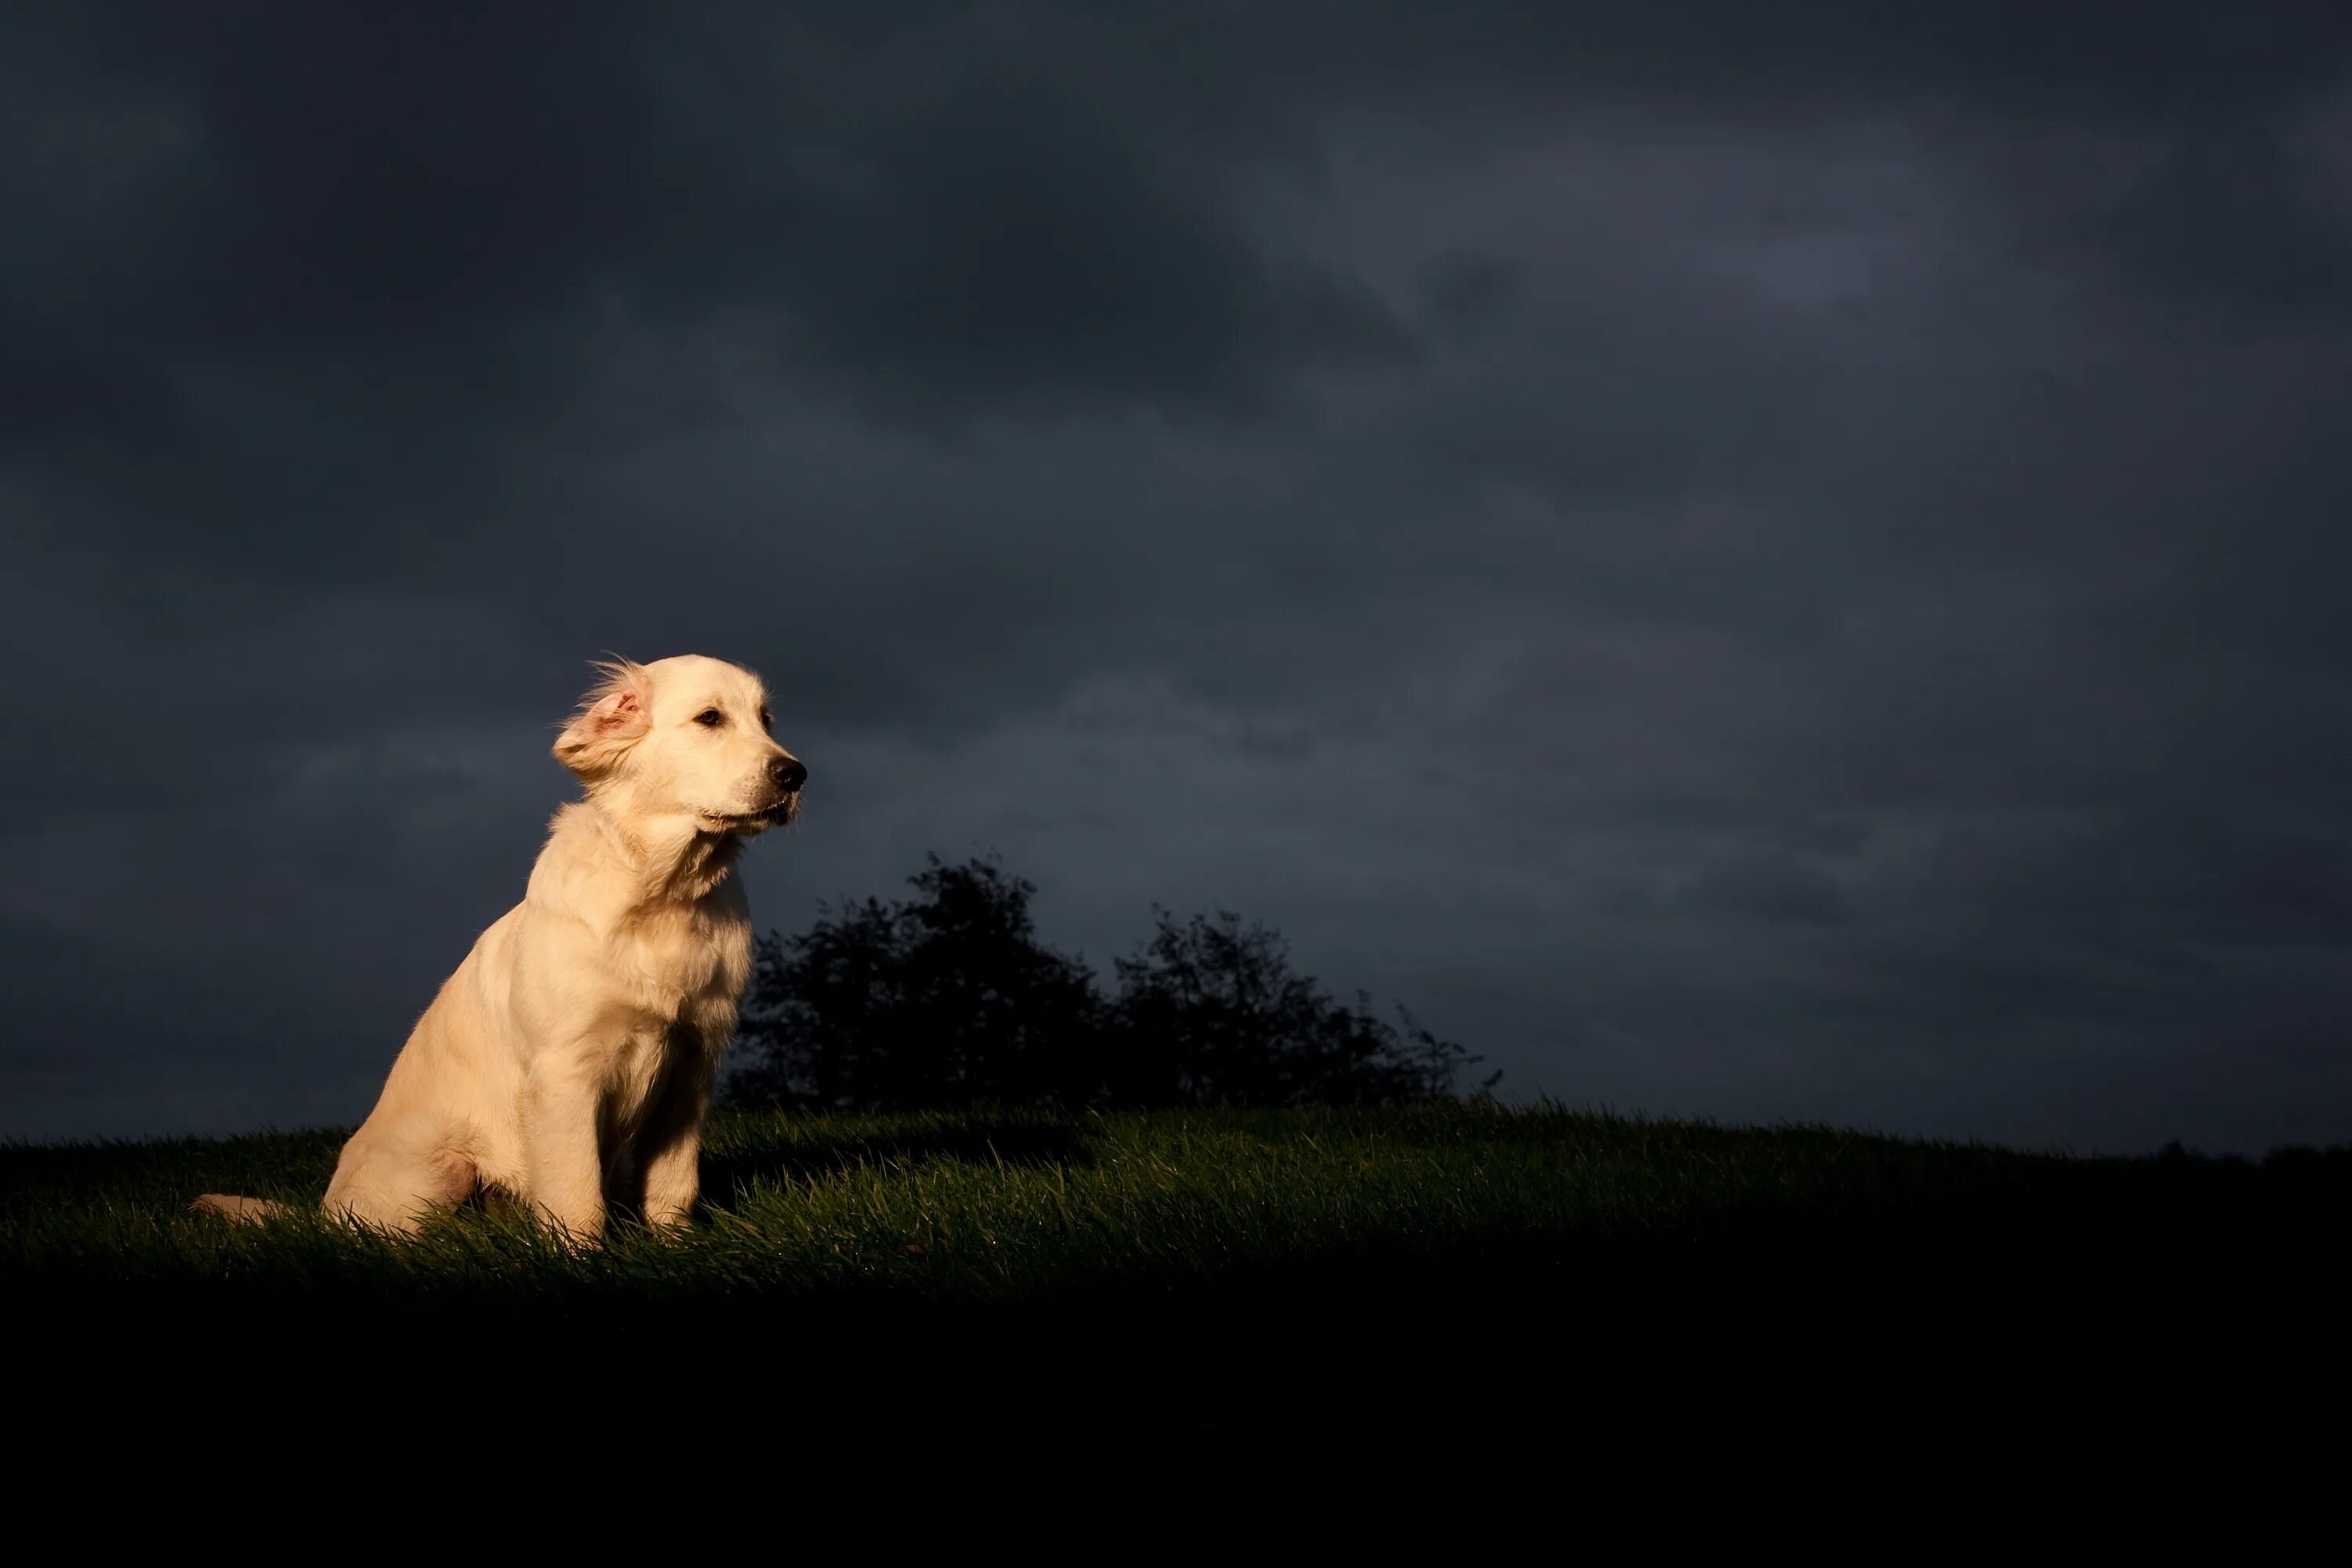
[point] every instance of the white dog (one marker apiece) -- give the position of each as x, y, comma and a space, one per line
568, 1061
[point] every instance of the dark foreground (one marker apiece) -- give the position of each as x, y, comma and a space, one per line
1232, 1272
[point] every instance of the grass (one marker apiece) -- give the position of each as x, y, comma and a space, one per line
1341, 1244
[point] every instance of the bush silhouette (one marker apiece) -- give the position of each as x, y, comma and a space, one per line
942, 1000
949, 998
1209, 1012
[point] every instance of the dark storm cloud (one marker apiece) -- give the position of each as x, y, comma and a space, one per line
2235, 219
1772, 561
357, 244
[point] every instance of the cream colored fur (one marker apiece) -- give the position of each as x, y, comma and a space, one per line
568, 1061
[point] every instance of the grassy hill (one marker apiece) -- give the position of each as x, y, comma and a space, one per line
1354, 1246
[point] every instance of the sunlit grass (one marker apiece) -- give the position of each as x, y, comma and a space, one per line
998, 1212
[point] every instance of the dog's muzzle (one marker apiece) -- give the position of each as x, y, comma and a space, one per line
776, 813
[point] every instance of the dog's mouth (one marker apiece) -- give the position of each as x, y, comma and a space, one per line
768, 816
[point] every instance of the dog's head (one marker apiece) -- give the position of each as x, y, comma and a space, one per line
683, 737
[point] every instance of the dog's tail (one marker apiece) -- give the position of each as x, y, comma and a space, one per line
245, 1211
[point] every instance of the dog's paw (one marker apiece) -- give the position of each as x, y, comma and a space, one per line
579, 1240
246, 1211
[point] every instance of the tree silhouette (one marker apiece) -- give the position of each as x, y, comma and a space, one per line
942, 1000
949, 998
1209, 1012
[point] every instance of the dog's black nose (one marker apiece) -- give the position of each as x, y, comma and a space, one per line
788, 773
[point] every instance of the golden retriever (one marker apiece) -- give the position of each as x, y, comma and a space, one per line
568, 1061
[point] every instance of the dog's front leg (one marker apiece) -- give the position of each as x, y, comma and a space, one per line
566, 1166
669, 1153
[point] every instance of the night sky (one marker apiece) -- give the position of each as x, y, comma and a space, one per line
1748, 561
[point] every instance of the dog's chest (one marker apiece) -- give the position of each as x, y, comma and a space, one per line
682, 961
687, 972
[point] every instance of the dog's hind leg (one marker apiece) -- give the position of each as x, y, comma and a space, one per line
395, 1177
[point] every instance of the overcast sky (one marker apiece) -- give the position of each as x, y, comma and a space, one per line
1750, 561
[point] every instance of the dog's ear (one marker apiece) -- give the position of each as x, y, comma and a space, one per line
612, 719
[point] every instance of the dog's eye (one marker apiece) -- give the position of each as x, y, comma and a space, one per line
710, 718
767, 719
